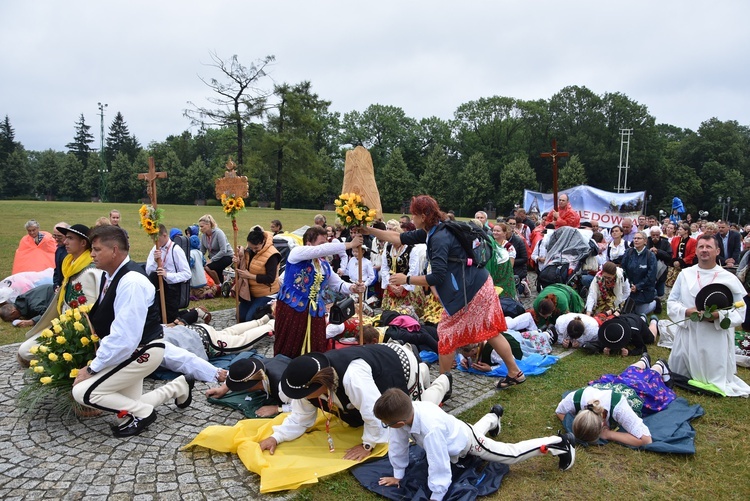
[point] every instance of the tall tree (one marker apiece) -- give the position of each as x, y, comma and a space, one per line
119, 140
8, 146
380, 129
123, 185
240, 99
572, 173
47, 166
396, 181
476, 187
81, 145
70, 187
434, 180
514, 179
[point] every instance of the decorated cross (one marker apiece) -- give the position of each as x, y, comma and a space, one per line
554, 154
150, 177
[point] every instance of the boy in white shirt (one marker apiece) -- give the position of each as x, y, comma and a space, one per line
445, 438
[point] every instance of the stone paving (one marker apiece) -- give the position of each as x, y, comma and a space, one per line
49, 457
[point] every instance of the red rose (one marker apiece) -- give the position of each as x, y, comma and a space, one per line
81, 299
78, 287
74, 304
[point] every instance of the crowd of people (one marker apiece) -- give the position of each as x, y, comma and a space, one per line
415, 271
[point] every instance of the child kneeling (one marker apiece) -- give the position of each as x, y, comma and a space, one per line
445, 438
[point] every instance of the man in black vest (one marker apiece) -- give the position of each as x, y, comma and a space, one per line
346, 383
127, 321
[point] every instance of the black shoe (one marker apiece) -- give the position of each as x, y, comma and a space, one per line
449, 393
666, 374
553, 334
497, 410
592, 348
190, 380
567, 445
134, 426
657, 310
646, 359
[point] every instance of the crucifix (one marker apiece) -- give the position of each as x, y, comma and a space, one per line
554, 154
150, 177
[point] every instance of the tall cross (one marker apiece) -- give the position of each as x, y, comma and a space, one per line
151, 176
554, 154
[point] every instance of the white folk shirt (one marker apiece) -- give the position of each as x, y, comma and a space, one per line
622, 413
590, 328
173, 261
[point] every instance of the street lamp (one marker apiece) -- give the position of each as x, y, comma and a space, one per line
102, 162
646, 201
725, 205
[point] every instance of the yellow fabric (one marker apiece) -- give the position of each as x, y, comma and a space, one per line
69, 269
296, 463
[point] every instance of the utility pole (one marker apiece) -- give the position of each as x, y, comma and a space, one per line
102, 161
622, 187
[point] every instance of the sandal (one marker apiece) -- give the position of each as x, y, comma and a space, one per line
508, 381
666, 373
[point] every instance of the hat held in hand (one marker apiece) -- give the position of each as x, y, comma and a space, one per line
718, 295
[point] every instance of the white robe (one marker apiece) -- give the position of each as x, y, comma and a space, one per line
703, 350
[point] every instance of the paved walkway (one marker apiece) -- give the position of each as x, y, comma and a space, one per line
75, 458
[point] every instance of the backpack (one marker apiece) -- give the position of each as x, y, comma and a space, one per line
473, 240
183, 243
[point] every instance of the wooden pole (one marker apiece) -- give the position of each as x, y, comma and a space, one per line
236, 276
361, 301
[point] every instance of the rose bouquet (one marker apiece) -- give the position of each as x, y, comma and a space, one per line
61, 350
351, 210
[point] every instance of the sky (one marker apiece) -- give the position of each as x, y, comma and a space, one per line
685, 60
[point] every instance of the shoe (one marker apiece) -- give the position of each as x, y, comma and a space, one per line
497, 410
666, 373
592, 348
204, 314
568, 457
190, 380
449, 393
657, 310
22, 361
646, 359
508, 381
134, 426
553, 334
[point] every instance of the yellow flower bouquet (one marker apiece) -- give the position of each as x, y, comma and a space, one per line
232, 205
150, 220
61, 350
351, 210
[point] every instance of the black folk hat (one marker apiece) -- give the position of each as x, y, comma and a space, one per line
614, 334
718, 295
295, 383
241, 372
77, 229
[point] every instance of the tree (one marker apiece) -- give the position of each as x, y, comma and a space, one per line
8, 146
396, 182
17, 181
47, 166
123, 183
70, 188
380, 129
80, 146
476, 187
514, 179
240, 100
119, 140
572, 174
435, 179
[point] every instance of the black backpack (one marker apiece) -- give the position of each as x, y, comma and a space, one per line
183, 243
474, 241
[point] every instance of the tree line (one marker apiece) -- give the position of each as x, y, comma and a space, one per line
291, 146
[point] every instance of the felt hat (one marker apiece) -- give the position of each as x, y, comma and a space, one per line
77, 229
295, 383
614, 334
241, 372
718, 295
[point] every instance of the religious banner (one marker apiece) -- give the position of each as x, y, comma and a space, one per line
591, 203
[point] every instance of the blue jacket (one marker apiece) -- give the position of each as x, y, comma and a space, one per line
456, 283
640, 270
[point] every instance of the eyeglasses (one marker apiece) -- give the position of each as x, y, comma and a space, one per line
388, 425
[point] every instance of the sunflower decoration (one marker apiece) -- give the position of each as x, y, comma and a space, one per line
232, 205
352, 211
150, 220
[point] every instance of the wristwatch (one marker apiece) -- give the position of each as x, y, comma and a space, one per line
90, 371
367, 447
408, 280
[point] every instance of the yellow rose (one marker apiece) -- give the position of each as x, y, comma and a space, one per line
77, 314
85, 341
348, 219
84, 308
38, 369
73, 373
45, 380
79, 326
57, 328
34, 349
52, 357
60, 340
739, 304
368, 219
43, 349
33, 362
94, 338
47, 333
55, 321
67, 357
337, 202
69, 314
373, 213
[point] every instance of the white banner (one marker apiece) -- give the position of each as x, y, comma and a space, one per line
591, 203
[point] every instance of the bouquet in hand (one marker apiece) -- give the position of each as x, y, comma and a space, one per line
351, 210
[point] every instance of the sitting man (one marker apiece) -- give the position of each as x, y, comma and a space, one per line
28, 307
168, 261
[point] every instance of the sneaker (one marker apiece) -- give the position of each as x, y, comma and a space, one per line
134, 426
646, 359
567, 454
497, 410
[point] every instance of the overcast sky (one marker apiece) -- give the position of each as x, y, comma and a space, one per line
687, 61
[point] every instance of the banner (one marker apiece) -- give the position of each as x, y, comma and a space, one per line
591, 203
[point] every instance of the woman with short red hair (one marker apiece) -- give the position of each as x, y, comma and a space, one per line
472, 311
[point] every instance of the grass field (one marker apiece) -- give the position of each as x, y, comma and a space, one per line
718, 471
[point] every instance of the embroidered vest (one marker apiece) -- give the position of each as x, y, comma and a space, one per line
103, 313
298, 279
402, 261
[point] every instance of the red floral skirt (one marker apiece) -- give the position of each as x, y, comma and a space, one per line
478, 321
291, 328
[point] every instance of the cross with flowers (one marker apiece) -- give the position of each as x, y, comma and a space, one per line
150, 219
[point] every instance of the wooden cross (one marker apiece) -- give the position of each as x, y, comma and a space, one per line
150, 177
554, 154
